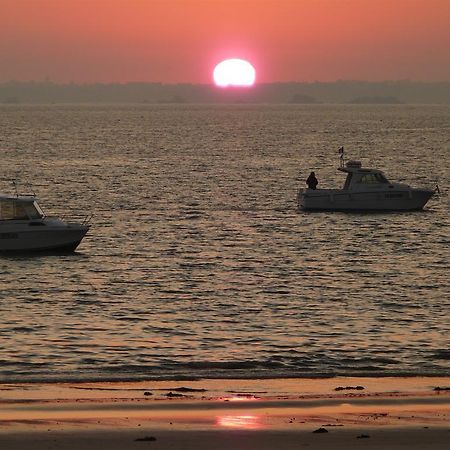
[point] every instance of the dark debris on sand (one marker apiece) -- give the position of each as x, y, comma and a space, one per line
321, 430
146, 439
187, 389
349, 388
174, 394
362, 436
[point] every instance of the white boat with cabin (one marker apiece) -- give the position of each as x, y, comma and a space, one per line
365, 190
25, 228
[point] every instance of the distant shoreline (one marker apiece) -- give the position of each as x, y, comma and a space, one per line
339, 92
6, 105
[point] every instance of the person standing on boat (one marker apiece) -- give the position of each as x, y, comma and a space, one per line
312, 181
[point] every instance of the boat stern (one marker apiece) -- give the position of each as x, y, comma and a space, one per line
315, 199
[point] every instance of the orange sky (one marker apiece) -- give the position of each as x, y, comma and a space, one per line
181, 40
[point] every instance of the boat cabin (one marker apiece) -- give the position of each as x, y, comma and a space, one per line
19, 208
359, 178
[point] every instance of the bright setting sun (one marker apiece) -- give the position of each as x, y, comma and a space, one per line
234, 72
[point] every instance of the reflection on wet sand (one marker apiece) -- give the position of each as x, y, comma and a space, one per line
247, 422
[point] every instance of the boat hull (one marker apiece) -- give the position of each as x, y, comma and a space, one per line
39, 239
341, 200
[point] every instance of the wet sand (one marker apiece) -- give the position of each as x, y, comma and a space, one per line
369, 413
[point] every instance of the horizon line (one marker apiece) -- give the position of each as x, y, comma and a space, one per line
211, 84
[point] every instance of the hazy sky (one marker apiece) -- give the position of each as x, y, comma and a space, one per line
182, 40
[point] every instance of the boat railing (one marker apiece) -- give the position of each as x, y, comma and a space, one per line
83, 220
438, 191
87, 219
72, 219
18, 193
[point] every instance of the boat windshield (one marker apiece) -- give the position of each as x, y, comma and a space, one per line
348, 180
35, 211
373, 178
12, 209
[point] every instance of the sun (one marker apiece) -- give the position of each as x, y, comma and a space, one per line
234, 72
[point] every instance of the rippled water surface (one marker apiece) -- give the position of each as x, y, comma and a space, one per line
199, 263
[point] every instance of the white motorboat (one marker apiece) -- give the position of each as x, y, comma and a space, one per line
25, 228
365, 190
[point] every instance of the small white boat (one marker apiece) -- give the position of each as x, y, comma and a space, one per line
25, 228
364, 190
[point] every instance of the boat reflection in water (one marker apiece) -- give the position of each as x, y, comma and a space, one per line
24, 228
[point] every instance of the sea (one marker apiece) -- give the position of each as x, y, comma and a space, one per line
199, 263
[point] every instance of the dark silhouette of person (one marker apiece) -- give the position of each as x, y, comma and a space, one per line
312, 181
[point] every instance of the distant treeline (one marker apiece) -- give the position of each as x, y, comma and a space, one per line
388, 92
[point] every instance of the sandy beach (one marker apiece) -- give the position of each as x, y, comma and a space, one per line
338, 413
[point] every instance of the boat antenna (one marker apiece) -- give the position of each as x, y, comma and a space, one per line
341, 156
15, 187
